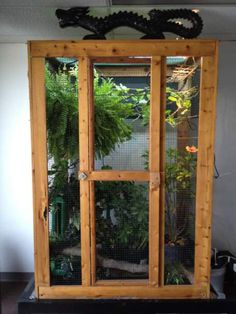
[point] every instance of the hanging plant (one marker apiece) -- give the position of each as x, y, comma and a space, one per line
111, 110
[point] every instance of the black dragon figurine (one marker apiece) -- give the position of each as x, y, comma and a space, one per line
159, 22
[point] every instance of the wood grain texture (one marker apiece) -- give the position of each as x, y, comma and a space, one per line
162, 171
141, 292
118, 175
84, 99
154, 168
123, 48
91, 168
121, 60
120, 282
207, 114
39, 171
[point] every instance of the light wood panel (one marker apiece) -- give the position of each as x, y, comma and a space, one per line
39, 171
84, 93
91, 167
162, 170
118, 175
207, 115
167, 292
120, 282
121, 60
154, 168
122, 48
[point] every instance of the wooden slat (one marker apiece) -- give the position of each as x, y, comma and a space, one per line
154, 168
91, 183
205, 170
39, 171
84, 92
122, 60
122, 48
167, 292
126, 282
162, 169
110, 175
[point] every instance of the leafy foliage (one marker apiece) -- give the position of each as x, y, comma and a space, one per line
178, 105
174, 275
111, 110
180, 171
122, 214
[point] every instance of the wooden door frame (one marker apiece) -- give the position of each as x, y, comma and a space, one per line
85, 51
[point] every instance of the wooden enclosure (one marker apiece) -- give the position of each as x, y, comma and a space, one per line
154, 53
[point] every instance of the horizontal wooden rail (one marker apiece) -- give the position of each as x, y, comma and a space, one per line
141, 292
122, 48
112, 175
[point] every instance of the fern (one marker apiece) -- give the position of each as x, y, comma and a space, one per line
111, 110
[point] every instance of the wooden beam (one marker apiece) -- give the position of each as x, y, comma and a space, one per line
141, 292
84, 93
126, 282
39, 171
123, 48
154, 168
117, 175
205, 169
129, 60
162, 170
91, 168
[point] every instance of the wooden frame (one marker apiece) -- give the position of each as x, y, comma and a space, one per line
93, 51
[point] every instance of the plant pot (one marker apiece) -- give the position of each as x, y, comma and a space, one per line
173, 253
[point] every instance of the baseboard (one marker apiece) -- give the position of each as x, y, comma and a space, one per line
17, 276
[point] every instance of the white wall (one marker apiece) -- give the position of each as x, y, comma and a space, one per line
16, 222
224, 214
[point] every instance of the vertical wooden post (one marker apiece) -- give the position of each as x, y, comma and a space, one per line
92, 183
154, 168
84, 93
205, 163
162, 170
39, 170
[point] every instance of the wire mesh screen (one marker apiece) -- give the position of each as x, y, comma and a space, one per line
121, 96
63, 188
121, 229
181, 144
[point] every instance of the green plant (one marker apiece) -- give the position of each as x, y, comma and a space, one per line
174, 275
178, 105
182, 100
111, 110
180, 171
122, 214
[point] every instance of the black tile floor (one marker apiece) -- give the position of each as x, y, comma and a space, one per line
10, 292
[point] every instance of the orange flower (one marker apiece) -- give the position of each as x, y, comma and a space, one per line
191, 149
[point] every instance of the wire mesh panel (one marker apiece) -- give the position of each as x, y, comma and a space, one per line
63, 188
121, 229
121, 95
181, 146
